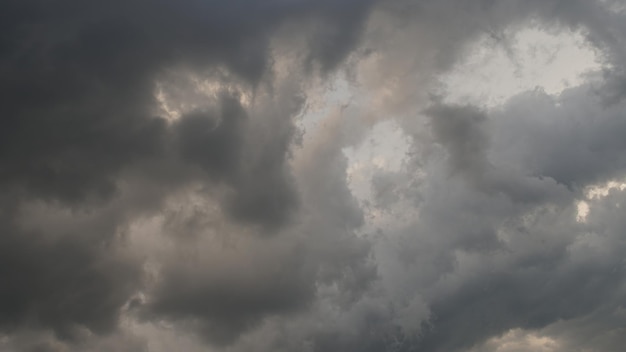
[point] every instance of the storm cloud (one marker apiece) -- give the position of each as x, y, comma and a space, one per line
219, 175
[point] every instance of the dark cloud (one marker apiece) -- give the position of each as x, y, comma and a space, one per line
225, 304
538, 267
263, 190
462, 132
33, 341
63, 278
224, 290
575, 141
534, 291
79, 124
158, 192
77, 81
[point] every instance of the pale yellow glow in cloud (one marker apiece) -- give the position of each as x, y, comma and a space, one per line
596, 192
517, 340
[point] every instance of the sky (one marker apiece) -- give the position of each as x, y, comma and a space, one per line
313, 175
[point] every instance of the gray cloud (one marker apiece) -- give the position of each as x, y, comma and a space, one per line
577, 143
79, 129
156, 182
64, 277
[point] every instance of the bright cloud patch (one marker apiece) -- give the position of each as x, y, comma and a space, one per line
501, 65
519, 341
384, 148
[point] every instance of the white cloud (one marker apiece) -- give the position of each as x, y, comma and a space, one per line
501, 65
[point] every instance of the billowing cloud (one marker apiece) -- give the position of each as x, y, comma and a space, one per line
213, 175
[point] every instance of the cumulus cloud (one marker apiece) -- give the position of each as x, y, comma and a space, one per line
181, 175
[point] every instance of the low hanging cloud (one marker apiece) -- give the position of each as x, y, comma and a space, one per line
178, 175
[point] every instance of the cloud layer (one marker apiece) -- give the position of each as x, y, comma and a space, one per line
175, 175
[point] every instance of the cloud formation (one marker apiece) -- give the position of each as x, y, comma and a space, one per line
174, 175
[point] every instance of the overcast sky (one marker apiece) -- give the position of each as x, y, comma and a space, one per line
313, 175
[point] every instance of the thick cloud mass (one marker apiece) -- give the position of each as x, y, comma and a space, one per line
177, 175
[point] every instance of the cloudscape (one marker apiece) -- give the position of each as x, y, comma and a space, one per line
313, 175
